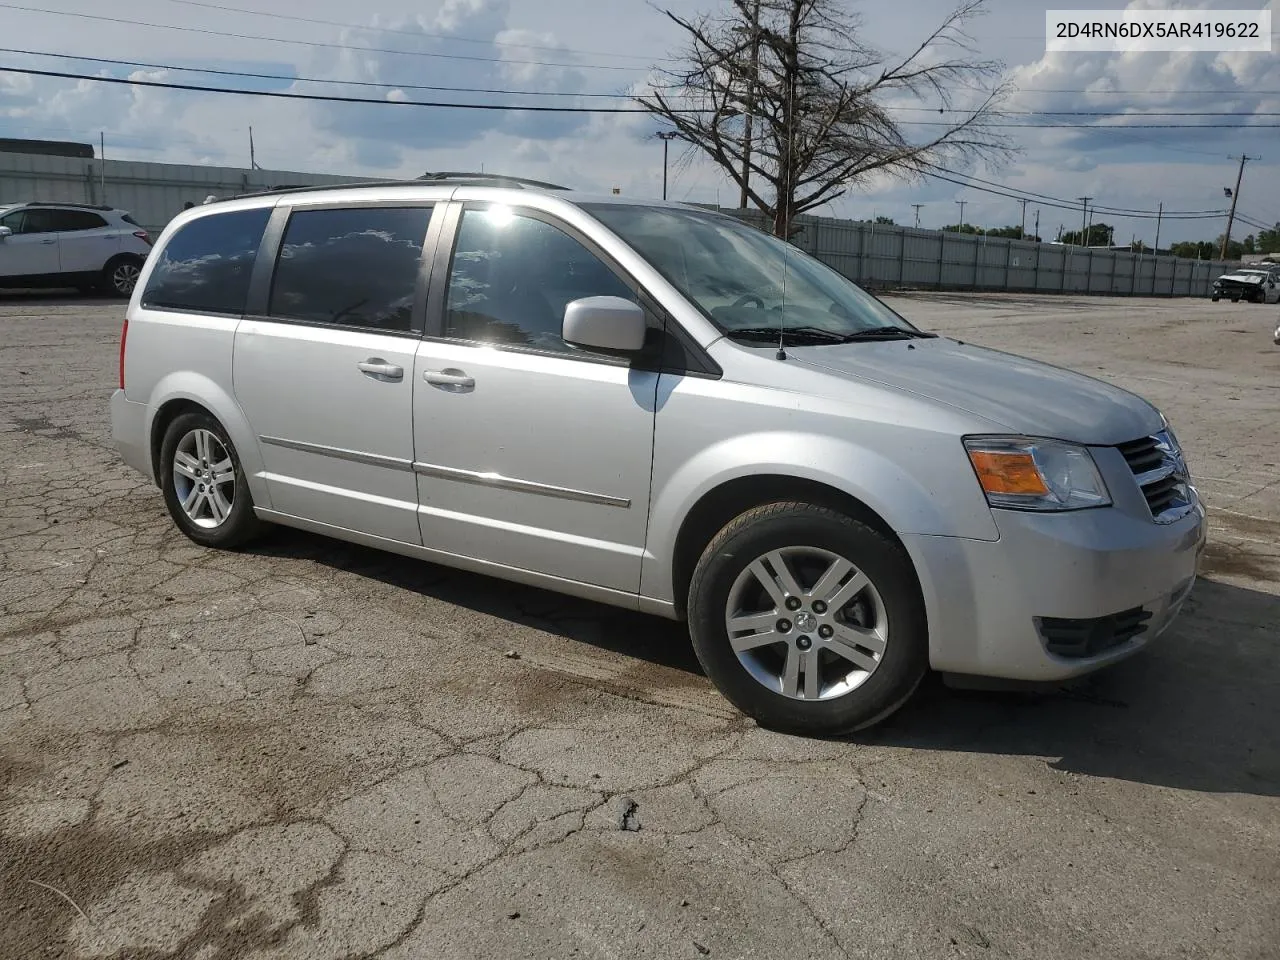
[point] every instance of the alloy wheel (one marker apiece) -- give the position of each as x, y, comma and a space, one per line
125, 277
204, 479
806, 623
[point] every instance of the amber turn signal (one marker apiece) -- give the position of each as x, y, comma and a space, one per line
1009, 472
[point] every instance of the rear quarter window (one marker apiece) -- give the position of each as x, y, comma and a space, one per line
207, 265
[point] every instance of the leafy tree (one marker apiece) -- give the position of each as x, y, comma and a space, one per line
1269, 240
968, 228
796, 107
1098, 235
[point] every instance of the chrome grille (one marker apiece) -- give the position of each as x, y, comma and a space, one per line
1161, 473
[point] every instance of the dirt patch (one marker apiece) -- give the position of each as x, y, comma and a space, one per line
84, 863
1230, 560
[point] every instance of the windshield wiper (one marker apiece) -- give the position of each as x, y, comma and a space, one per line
887, 333
774, 333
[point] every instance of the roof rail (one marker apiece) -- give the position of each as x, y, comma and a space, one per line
455, 179
69, 203
315, 188
451, 175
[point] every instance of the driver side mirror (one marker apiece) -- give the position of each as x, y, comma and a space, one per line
6, 233
605, 323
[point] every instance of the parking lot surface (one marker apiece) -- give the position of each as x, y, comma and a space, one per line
313, 750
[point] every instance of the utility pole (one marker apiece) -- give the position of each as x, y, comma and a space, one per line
1159, 217
666, 138
917, 207
1084, 212
1022, 230
1037, 224
752, 80
102, 167
253, 159
962, 203
1231, 217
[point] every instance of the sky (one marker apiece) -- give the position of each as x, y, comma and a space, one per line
567, 50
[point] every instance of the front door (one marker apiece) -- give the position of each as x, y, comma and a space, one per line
531, 453
326, 378
32, 250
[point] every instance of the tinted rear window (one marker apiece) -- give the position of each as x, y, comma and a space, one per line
70, 220
356, 267
207, 265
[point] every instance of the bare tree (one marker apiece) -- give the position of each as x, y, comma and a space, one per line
796, 108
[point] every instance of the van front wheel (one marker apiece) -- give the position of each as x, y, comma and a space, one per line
808, 620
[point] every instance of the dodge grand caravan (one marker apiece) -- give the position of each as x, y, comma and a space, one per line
657, 407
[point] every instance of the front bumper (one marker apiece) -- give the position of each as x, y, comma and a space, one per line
129, 433
986, 599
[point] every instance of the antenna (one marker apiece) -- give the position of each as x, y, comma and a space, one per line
782, 320
786, 199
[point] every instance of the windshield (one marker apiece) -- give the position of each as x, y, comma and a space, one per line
748, 283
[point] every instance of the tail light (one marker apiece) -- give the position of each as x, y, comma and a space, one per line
143, 236
124, 335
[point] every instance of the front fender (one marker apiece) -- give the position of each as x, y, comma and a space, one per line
944, 500
205, 392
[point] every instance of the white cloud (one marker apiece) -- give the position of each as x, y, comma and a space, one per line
1131, 167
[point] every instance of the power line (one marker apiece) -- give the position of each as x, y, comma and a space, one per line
411, 33
1073, 206
1131, 93
1103, 208
324, 98
1093, 126
307, 43
524, 93
1097, 113
294, 79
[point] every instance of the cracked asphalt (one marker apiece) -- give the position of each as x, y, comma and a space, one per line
312, 750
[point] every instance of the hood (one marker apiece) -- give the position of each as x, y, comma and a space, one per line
1243, 277
1019, 395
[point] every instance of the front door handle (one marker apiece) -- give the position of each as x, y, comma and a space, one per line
379, 369
48, 241
449, 378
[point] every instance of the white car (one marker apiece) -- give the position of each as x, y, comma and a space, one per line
1253, 284
71, 245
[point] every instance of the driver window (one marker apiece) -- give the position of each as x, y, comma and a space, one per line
13, 221
512, 276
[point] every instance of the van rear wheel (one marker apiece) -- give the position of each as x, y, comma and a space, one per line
203, 483
808, 620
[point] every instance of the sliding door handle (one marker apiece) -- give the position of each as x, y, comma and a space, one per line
379, 369
449, 378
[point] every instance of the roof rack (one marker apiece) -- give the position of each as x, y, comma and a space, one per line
451, 175
59, 203
455, 179
319, 187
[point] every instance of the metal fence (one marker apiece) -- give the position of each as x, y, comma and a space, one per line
886, 256
152, 192
875, 255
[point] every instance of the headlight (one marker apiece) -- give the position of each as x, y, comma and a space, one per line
1020, 473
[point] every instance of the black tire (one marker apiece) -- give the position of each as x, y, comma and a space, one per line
120, 276
240, 524
777, 526
1215, 298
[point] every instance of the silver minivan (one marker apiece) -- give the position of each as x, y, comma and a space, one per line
658, 407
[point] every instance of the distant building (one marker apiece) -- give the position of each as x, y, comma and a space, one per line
47, 148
